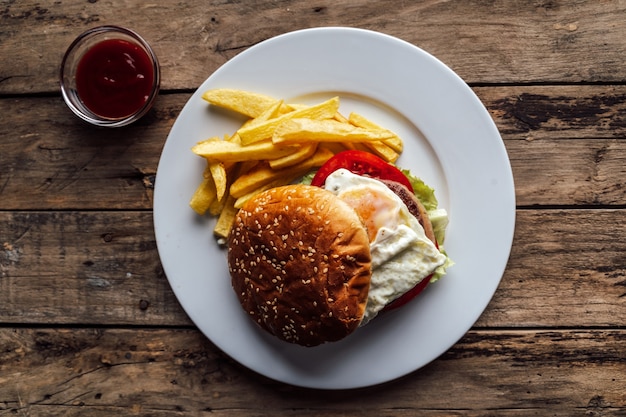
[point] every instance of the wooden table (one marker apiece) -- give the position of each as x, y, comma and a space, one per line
89, 325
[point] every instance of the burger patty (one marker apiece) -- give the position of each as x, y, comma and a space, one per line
416, 208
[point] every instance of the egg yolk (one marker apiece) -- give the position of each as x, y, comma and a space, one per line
375, 209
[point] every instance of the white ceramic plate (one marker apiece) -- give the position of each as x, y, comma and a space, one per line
450, 141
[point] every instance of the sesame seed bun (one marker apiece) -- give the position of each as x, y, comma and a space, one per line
300, 264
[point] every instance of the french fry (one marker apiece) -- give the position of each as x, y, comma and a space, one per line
304, 130
216, 207
287, 176
383, 150
233, 152
263, 174
255, 178
296, 106
218, 172
334, 147
340, 118
393, 142
244, 102
226, 218
262, 131
278, 144
275, 183
270, 113
305, 151
204, 196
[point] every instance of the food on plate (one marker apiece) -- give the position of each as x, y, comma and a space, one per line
277, 144
323, 231
311, 265
362, 163
412, 196
247, 103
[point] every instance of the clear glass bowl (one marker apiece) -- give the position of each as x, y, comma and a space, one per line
75, 53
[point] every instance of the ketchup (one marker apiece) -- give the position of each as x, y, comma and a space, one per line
114, 78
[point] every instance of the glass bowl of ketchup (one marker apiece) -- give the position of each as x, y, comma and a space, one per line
110, 76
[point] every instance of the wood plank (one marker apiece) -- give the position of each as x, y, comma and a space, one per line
62, 267
158, 372
73, 165
567, 268
568, 172
484, 41
557, 112
565, 145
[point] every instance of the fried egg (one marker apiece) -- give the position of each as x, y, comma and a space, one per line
402, 254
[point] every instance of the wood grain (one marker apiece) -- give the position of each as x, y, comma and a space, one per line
150, 372
100, 267
565, 145
567, 268
89, 325
72, 165
557, 112
484, 41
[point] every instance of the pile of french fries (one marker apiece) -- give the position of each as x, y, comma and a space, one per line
278, 144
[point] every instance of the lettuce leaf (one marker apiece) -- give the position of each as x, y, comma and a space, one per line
424, 193
441, 271
306, 180
438, 217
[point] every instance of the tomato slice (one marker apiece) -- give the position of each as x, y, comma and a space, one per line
361, 163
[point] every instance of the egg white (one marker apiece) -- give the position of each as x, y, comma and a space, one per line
402, 255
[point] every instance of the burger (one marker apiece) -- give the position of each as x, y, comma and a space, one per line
311, 263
